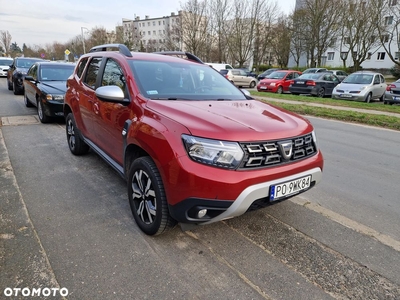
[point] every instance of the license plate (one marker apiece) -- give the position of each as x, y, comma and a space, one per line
345, 95
263, 87
286, 189
299, 82
396, 98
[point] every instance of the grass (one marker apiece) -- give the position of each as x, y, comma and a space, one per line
384, 121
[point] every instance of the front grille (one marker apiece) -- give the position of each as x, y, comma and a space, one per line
271, 153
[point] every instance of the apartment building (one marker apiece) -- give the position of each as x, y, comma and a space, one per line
377, 57
153, 34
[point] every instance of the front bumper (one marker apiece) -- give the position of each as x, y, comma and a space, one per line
53, 108
354, 97
227, 194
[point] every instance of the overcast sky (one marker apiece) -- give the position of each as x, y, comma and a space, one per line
40, 22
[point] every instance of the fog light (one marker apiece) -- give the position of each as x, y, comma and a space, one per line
201, 213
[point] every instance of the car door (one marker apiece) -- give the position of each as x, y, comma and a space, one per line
30, 86
328, 83
378, 87
287, 80
244, 79
110, 117
86, 96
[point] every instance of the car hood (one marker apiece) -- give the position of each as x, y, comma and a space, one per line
54, 87
248, 120
352, 86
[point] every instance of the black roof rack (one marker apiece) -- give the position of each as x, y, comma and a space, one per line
188, 55
121, 47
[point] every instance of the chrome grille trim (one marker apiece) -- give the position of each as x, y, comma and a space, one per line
265, 154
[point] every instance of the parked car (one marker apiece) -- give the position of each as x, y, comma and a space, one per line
239, 78
361, 86
266, 73
5, 63
249, 73
220, 67
315, 84
193, 148
392, 93
315, 70
278, 81
45, 86
17, 72
339, 74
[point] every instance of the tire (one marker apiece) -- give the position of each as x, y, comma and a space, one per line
147, 197
15, 89
368, 98
385, 102
280, 90
42, 116
26, 101
321, 93
9, 85
382, 98
76, 144
252, 84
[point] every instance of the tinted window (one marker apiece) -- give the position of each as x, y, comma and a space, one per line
33, 71
56, 72
92, 71
81, 67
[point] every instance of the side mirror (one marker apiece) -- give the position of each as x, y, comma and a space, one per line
110, 93
30, 78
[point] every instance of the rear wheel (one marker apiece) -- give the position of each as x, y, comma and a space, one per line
26, 101
147, 197
15, 88
381, 98
321, 93
75, 142
252, 84
368, 98
280, 90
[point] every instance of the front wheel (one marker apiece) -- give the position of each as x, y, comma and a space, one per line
368, 98
280, 90
75, 142
16, 90
42, 116
26, 101
147, 197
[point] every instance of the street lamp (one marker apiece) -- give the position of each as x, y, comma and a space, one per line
83, 39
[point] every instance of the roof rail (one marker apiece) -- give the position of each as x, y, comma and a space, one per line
121, 47
188, 55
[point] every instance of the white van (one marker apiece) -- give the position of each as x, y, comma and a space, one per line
219, 67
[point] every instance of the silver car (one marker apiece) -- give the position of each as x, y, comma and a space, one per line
361, 86
392, 94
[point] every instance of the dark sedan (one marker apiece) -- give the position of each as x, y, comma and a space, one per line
392, 93
315, 84
45, 86
17, 72
266, 73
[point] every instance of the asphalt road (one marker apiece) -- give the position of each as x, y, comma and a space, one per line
65, 222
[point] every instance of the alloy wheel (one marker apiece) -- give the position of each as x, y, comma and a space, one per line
144, 197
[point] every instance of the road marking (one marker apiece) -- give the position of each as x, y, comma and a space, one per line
383, 238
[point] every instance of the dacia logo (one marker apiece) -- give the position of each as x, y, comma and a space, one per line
286, 148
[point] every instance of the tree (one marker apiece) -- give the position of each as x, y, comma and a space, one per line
389, 27
5, 40
360, 35
297, 37
281, 42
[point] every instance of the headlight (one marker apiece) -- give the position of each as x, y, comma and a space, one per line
221, 154
272, 84
314, 137
54, 97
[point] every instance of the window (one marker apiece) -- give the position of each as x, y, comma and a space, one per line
154, 32
148, 23
385, 38
149, 32
381, 55
331, 55
144, 24
332, 43
369, 55
159, 22
113, 75
388, 20
392, 2
93, 70
346, 40
81, 67
377, 80
397, 55
154, 23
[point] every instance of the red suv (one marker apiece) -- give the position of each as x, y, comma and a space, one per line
194, 148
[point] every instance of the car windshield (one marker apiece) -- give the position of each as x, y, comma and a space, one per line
5, 62
56, 73
25, 63
276, 75
161, 80
359, 79
309, 71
